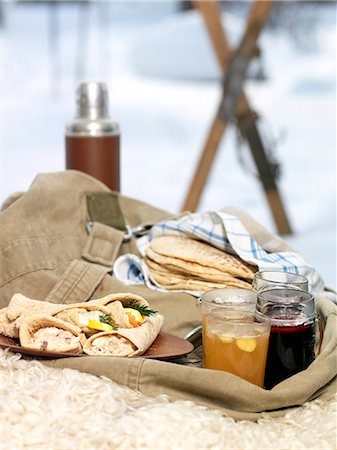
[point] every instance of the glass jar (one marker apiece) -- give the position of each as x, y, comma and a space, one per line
279, 280
235, 337
292, 335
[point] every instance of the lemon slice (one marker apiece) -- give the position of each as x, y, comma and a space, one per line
246, 344
226, 339
135, 316
99, 325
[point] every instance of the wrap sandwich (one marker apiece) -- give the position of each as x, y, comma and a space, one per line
85, 314
20, 305
126, 298
48, 333
125, 341
8, 327
132, 340
118, 324
18, 308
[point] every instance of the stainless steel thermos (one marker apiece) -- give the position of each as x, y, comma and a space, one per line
92, 138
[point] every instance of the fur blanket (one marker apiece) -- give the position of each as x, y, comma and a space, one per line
64, 409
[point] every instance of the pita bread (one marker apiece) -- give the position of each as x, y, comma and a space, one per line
109, 344
201, 253
162, 276
125, 341
124, 298
22, 305
44, 332
179, 265
191, 271
193, 284
62, 330
114, 304
80, 313
152, 266
8, 327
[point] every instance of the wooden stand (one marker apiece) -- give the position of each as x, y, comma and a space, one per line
234, 105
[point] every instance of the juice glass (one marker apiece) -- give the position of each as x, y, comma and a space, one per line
272, 279
292, 342
235, 336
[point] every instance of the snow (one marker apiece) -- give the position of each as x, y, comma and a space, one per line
164, 91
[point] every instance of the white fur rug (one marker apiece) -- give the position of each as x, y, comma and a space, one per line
43, 408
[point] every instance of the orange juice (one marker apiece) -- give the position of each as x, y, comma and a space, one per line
238, 346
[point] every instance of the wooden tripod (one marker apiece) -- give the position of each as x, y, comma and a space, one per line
234, 105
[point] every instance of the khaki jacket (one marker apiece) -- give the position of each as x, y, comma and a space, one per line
58, 242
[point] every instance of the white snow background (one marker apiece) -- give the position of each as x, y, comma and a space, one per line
164, 89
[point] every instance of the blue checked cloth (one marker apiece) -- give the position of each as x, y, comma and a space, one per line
225, 232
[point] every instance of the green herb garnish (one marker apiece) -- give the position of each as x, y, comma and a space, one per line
144, 310
106, 318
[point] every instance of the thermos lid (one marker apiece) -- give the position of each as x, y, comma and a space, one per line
92, 100
92, 111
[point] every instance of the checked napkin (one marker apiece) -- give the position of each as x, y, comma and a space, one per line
225, 232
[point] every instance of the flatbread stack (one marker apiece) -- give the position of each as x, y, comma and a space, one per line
116, 325
182, 263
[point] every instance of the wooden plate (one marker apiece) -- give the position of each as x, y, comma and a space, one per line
165, 346
168, 346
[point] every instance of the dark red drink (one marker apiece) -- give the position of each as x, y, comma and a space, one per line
292, 335
291, 349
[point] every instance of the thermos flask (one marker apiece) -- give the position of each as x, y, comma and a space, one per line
92, 138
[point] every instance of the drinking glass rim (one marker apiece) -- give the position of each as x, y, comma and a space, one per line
258, 318
295, 322
260, 274
279, 299
251, 298
262, 318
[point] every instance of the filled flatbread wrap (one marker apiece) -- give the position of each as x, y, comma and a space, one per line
118, 305
8, 327
118, 324
20, 305
83, 314
124, 297
125, 341
44, 332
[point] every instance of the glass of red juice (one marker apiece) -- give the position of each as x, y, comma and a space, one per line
292, 335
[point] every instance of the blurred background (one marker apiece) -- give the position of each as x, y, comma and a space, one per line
164, 88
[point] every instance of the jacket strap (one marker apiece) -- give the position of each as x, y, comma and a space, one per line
103, 244
77, 283
106, 228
